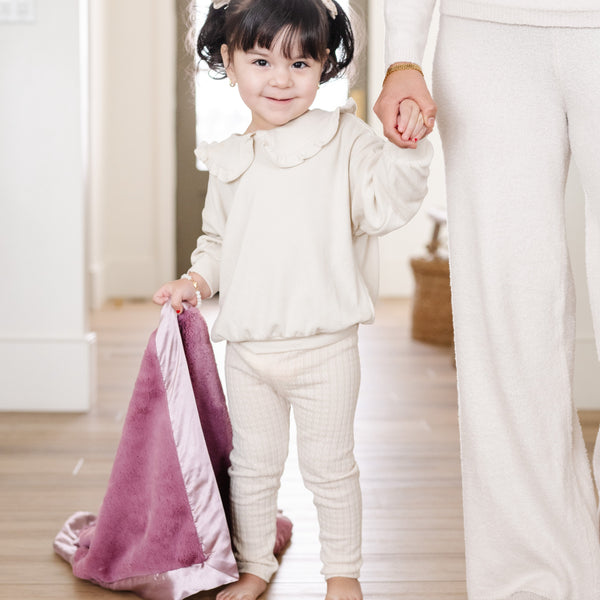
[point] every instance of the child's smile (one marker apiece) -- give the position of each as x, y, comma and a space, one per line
276, 88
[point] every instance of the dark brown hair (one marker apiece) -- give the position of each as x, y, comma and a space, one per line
244, 24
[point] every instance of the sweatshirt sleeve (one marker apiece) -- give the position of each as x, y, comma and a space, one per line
206, 258
406, 29
387, 183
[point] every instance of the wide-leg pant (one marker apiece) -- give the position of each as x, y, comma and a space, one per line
514, 103
321, 386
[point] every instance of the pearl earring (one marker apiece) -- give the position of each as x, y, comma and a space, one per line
232, 84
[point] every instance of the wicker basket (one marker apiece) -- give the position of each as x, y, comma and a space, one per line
432, 306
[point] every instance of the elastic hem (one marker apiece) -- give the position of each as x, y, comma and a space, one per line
469, 9
354, 575
310, 342
524, 596
249, 571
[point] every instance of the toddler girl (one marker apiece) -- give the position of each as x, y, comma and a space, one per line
292, 212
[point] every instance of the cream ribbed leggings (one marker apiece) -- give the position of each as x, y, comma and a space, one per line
321, 387
514, 102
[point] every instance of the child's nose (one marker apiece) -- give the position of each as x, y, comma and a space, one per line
281, 77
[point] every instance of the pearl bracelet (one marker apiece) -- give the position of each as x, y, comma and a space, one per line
195, 284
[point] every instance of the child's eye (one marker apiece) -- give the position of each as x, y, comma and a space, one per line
299, 64
261, 62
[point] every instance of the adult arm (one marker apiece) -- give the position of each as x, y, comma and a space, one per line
407, 27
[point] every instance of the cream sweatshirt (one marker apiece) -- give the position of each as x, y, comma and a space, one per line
407, 21
291, 219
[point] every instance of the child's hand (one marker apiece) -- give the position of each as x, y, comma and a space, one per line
181, 290
410, 122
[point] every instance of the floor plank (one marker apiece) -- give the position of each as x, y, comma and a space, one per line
52, 465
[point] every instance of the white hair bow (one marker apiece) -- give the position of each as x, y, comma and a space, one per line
329, 5
331, 8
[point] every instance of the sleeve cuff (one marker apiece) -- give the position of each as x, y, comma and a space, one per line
212, 280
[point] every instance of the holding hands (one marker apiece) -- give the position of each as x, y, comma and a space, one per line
410, 124
402, 122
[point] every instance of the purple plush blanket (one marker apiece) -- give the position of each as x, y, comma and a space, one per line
162, 528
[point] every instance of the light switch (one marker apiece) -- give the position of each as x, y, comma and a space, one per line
17, 11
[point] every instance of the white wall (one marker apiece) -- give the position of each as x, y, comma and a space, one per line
46, 350
409, 241
133, 57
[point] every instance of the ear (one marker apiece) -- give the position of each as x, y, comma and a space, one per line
227, 62
326, 61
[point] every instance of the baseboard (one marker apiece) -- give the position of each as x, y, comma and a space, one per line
48, 375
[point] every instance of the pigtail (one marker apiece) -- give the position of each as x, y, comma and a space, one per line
211, 38
341, 44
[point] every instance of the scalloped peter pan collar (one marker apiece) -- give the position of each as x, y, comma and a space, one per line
287, 146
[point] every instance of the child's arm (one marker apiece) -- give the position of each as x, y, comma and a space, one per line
206, 257
387, 183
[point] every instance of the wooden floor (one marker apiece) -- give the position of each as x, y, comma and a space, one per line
407, 447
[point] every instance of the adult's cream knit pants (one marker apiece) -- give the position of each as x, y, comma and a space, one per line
514, 103
321, 386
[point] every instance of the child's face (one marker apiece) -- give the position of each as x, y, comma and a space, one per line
275, 88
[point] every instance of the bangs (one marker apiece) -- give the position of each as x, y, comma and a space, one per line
300, 28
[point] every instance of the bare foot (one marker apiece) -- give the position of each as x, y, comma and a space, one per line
247, 587
343, 588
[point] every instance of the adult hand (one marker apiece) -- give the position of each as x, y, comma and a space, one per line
398, 86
